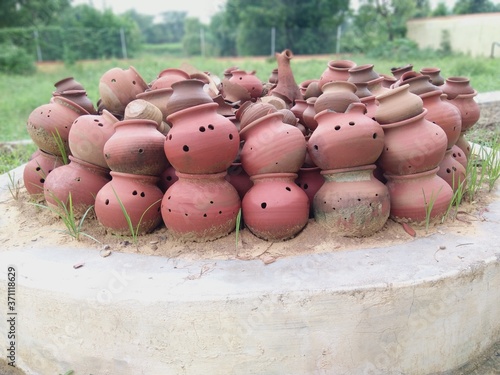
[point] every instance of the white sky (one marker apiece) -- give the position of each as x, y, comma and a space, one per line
201, 9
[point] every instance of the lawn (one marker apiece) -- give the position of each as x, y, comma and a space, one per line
22, 94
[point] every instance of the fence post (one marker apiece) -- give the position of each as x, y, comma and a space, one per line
202, 42
124, 44
339, 33
273, 41
37, 44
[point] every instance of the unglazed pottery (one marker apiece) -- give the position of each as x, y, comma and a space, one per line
200, 207
78, 97
133, 195
239, 178
362, 73
452, 171
157, 97
469, 109
419, 83
201, 140
37, 169
187, 93
459, 155
287, 87
336, 96
249, 81
251, 111
435, 74
397, 72
457, 85
397, 104
310, 179
337, 70
275, 208
352, 202
167, 77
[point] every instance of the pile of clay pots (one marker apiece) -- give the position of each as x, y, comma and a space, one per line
192, 150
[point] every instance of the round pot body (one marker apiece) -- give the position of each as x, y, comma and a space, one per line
251, 111
298, 109
459, 155
78, 97
397, 72
464, 145
187, 93
118, 87
352, 202
398, 104
452, 171
168, 77
239, 178
413, 195
167, 178
37, 170
201, 140
419, 83
336, 96
308, 115
344, 140
89, 134
158, 97
79, 179
469, 109
443, 114
200, 207
52, 120
310, 180
337, 70
286, 88
412, 146
136, 147
434, 74
141, 200
275, 208
249, 81
454, 86
68, 83
271, 146
362, 73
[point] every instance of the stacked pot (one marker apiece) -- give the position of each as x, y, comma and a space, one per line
201, 205
414, 147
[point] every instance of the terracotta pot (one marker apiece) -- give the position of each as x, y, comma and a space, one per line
419, 83
444, 114
298, 109
397, 72
371, 105
136, 147
200, 207
388, 81
49, 120
336, 96
141, 200
310, 89
187, 93
286, 88
469, 109
251, 111
201, 140
68, 83
344, 140
464, 145
435, 75
167, 178
337, 70
352, 202
88, 135
273, 77
457, 85
275, 208
310, 180
411, 194
376, 86
139, 109
78, 97
37, 169
271, 146
362, 90
452, 171
398, 104
157, 97
459, 155
249, 81
118, 87
167, 77
79, 179
308, 115
240, 179
362, 73
413, 145
234, 93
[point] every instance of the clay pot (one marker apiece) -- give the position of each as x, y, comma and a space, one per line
273, 77
398, 104
388, 80
352, 202
136, 147
411, 146
344, 140
452, 171
225, 109
143, 110
419, 83
286, 88
37, 169
118, 87
310, 180
167, 77
68, 83
336, 96
310, 88
275, 208
234, 93
249, 81
200, 207
444, 114
250, 111
157, 97
469, 109
371, 105
201, 140
79, 179
435, 75
362, 73
78, 97
308, 116
411, 194
276, 102
397, 72
271, 146
48, 121
459, 155
464, 145
298, 109
240, 179
167, 178
288, 117
141, 200
454, 86
337, 70
88, 135
187, 93
362, 90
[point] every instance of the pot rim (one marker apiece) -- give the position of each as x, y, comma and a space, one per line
351, 169
133, 176
405, 122
201, 176
391, 92
259, 121
403, 177
181, 112
280, 175
141, 121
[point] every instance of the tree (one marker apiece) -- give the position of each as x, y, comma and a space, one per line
19, 13
475, 6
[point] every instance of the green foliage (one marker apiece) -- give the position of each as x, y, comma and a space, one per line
398, 49
191, 42
31, 13
15, 60
475, 6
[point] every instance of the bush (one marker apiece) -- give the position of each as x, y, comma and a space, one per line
15, 60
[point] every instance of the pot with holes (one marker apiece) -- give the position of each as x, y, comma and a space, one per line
37, 169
